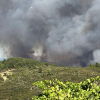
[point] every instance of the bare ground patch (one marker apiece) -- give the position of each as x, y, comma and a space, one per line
8, 72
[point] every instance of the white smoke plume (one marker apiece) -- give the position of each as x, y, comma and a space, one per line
63, 32
96, 56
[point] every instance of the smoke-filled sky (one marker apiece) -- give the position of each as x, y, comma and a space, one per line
58, 31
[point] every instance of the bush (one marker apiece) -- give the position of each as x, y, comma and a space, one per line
56, 90
40, 70
46, 64
49, 73
1, 79
97, 65
63, 65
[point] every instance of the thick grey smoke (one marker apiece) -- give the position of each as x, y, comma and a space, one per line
59, 31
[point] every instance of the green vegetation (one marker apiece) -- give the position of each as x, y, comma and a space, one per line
18, 85
56, 90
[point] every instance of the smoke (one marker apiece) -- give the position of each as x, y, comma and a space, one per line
62, 32
96, 55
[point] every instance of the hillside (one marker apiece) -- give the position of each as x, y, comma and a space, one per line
18, 74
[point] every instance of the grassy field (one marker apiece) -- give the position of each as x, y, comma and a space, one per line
18, 74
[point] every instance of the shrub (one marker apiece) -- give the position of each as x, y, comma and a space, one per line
49, 73
97, 65
46, 64
40, 70
56, 90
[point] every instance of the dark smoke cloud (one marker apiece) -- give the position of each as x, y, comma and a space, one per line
63, 32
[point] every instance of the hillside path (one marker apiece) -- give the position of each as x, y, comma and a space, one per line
8, 72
